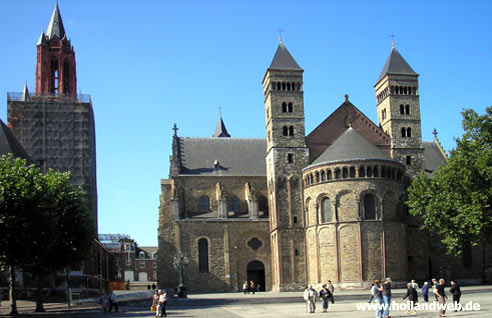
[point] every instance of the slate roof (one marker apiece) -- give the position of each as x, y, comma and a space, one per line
433, 156
350, 146
396, 64
55, 28
220, 130
10, 144
283, 60
236, 156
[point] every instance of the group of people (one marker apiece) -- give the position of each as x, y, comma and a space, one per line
108, 300
159, 303
381, 293
250, 287
325, 294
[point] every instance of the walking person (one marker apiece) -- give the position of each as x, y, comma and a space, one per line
456, 291
435, 283
387, 297
372, 294
246, 288
162, 304
415, 285
413, 297
441, 296
331, 288
310, 296
377, 291
425, 291
325, 295
113, 301
252, 287
155, 301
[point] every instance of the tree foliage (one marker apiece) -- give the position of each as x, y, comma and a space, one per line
44, 221
456, 201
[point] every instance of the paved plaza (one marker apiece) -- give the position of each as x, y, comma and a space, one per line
268, 305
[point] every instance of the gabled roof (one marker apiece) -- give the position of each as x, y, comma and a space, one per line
55, 28
396, 64
223, 156
220, 130
433, 157
350, 146
335, 125
283, 60
10, 144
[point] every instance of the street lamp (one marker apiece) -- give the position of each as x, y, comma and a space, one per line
179, 262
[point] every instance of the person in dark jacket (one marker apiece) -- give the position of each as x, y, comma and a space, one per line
387, 297
413, 297
425, 291
456, 291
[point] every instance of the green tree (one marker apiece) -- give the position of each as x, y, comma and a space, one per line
21, 197
70, 233
44, 222
456, 201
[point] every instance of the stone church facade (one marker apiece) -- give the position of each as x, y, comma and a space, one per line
294, 209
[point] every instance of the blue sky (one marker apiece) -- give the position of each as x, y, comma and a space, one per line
150, 64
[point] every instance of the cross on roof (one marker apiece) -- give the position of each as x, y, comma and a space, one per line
175, 128
392, 39
280, 30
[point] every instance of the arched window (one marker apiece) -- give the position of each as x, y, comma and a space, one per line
285, 131
370, 206
352, 172
284, 107
289, 107
328, 174
141, 254
402, 109
263, 206
291, 131
283, 86
407, 109
278, 86
204, 204
345, 173
203, 255
375, 171
369, 172
326, 213
322, 175
337, 173
233, 203
409, 132
288, 86
317, 176
403, 132
362, 172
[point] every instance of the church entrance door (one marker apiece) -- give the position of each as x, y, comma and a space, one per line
256, 273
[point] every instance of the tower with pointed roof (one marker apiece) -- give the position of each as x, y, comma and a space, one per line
286, 155
398, 105
54, 124
55, 67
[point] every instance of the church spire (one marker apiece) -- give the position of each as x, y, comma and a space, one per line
396, 65
220, 130
283, 60
55, 28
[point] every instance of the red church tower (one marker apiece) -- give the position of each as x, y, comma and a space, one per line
55, 66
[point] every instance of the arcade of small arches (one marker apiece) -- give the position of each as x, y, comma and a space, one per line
351, 172
233, 204
285, 86
396, 90
326, 212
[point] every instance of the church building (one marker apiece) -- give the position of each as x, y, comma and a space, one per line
297, 208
